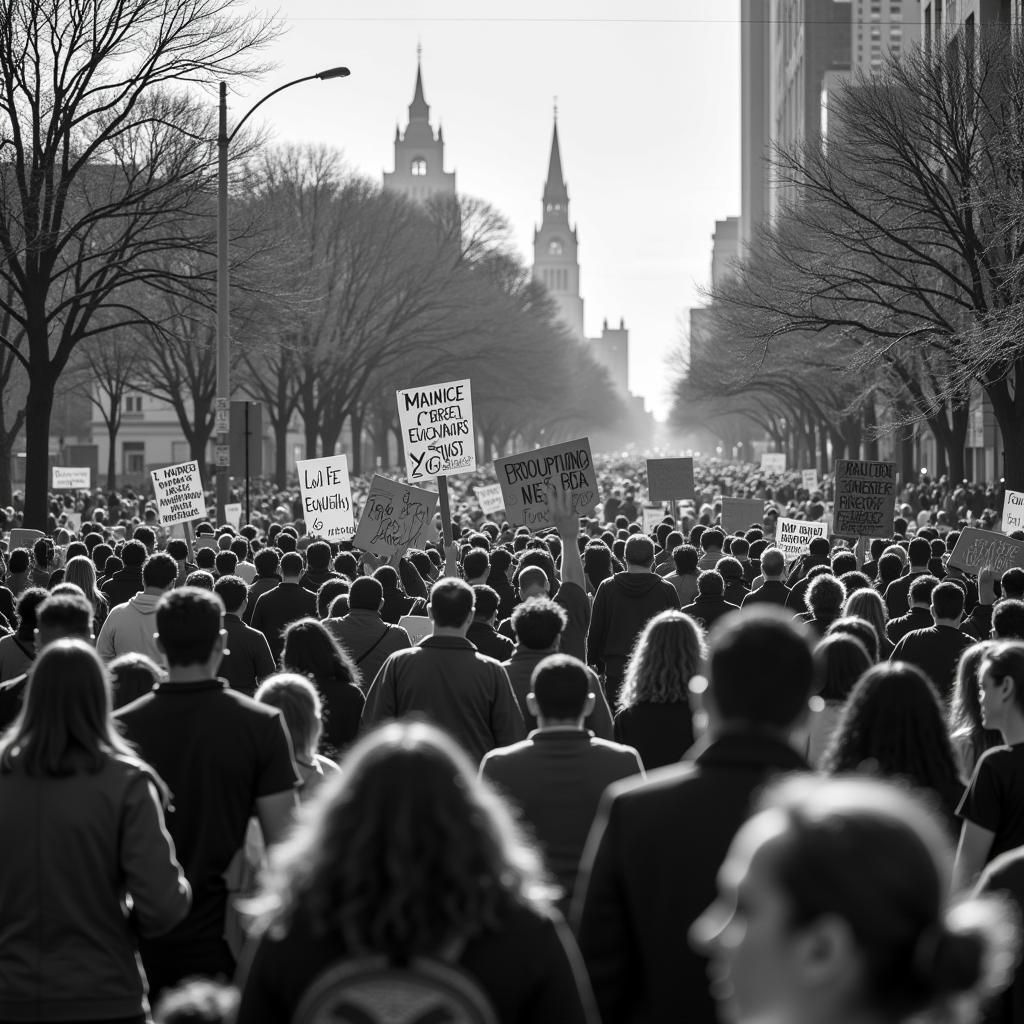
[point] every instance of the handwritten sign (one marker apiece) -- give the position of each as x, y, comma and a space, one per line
395, 517
524, 479
179, 493
23, 538
1013, 511
233, 514
792, 536
741, 513
490, 498
326, 497
773, 462
865, 498
72, 478
417, 626
669, 479
809, 479
437, 429
978, 549
652, 517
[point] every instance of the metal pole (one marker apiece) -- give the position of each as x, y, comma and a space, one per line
223, 325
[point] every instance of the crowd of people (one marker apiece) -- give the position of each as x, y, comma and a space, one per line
625, 775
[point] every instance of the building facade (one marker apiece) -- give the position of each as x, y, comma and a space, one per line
883, 29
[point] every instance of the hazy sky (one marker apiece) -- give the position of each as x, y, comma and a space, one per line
648, 100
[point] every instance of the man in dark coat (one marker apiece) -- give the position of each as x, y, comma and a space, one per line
288, 602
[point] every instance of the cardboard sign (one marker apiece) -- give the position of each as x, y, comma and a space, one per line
326, 497
71, 478
233, 514
669, 479
865, 498
741, 513
809, 479
652, 517
490, 498
437, 430
395, 517
773, 462
22, 538
206, 540
792, 536
979, 549
1013, 511
179, 493
417, 626
524, 478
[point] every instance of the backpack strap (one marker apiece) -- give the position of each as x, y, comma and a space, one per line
372, 647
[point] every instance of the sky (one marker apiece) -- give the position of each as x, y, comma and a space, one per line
648, 120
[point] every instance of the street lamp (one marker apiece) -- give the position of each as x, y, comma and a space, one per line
223, 401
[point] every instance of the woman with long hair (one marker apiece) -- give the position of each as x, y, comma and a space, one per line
894, 726
869, 606
81, 571
842, 660
406, 858
86, 865
970, 737
311, 651
834, 905
654, 714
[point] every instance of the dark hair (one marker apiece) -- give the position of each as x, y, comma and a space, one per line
639, 550
188, 623
63, 729
819, 547
177, 549
685, 558
1008, 620
318, 555
206, 559
538, 622
476, 563
1006, 658
1012, 582
710, 583
854, 581
345, 563
232, 590
387, 576
597, 562
890, 567
921, 588
485, 601
132, 676
19, 560
291, 564
327, 591
560, 684
773, 562
66, 615
200, 579
225, 562
761, 669
134, 553
240, 546
144, 535
948, 601
311, 650
267, 561
739, 548
456, 861
842, 660
28, 605
451, 602
365, 594
843, 561
919, 551
859, 629
825, 596
160, 571
42, 552
286, 543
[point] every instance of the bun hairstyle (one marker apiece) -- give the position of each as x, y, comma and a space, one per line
873, 854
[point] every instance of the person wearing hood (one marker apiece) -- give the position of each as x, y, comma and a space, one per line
623, 605
130, 627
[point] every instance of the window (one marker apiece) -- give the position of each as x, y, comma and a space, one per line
133, 403
418, 167
133, 457
555, 247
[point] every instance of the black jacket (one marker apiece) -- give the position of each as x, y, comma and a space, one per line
708, 610
248, 661
279, 608
123, 585
624, 604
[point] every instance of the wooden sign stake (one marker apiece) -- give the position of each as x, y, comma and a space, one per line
446, 514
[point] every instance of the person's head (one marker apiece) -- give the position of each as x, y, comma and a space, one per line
146, 537
177, 549
387, 576
761, 671
739, 548
476, 565
1008, 620
538, 624
19, 561
318, 556
189, 628
843, 561
668, 654
63, 729
451, 604
1001, 689
485, 603
133, 554
876, 549
842, 660
965, 707
890, 567
773, 564
712, 540
947, 604
920, 593
729, 568
639, 552
869, 606
63, 615
710, 583
331, 588
920, 553
233, 592
685, 558
456, 860
131, 676
81, 571
240, 546
206, 559
811, 923
28, 603
225, 563
267, 562
291, 566
311, 650
859, 629
818, 547
366, 595
42, 552
825, 597
299, 703
1011, 583
560, 691
533, 582
159, 572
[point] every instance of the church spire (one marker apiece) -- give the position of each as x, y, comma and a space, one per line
554, 188
418, 109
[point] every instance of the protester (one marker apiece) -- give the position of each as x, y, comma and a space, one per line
969, 736
773, 589
919, 616
125, 583
684, 573
842, 660
247, 659
897, 594
482, 633
133, 676
287, 603
130, 628
80, 571
459, 886
18, 649
710, 604
869, 606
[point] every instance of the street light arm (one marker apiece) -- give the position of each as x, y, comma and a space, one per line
332, 73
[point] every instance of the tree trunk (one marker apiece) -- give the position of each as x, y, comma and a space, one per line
906, 455
281, 452
823, 463
113, 426
355, 420
6, 455
38, 407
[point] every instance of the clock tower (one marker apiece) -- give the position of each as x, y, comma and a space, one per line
555, 258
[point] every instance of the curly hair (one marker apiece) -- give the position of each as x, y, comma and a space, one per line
893, 724
667, 655
403, 853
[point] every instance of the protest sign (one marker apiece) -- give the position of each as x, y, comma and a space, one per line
233, 514
793, 535
773, 462
71, 478
179, 493
417, 626
865, 498
652, 517
1013, 511
524, 479
206, 540
980, 549
741, 513
669, 479
326, 497
809, 479
490, 498
23, 538
395, 517
436, 423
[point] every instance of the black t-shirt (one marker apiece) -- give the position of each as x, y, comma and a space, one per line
218, 751
995, 797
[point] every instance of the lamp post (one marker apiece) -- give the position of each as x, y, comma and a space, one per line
223, 400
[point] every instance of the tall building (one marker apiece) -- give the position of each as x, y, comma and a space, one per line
555, 247
755, 116
882, 28
725, 250
419, 153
